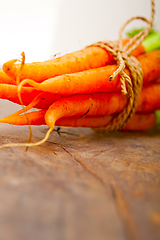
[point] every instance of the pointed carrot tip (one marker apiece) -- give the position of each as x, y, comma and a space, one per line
8, 65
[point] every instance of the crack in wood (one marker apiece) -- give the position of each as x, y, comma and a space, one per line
121, 205
84, 166
124, 212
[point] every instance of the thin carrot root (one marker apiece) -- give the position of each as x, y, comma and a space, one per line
19, 94
21, 68
29, 144
35, 101
13, 118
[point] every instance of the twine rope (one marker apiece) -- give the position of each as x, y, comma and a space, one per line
122, 55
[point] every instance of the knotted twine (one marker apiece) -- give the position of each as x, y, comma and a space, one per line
122, 55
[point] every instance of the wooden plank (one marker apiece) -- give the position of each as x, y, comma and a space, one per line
48, 196
130, 164
83, 186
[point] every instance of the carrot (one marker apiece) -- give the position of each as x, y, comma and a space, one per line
101, 104
139, 50
150, 64
90, 104
106, 103
80, 105
35, 118
4, 78
153, 53
9, 92
149, 99
96, 103
139, 122
67, 107
91, 57
96, 80
28, 94
87, 58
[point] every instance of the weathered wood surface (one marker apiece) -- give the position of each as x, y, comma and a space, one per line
85, 186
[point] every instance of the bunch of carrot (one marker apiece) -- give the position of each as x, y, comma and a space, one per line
74, 90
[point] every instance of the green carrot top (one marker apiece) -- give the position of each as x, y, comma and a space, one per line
151, 42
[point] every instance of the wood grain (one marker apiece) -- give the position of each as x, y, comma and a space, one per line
80, 185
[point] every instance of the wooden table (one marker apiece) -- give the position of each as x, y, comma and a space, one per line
80, 185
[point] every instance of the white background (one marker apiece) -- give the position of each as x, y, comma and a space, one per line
44, 28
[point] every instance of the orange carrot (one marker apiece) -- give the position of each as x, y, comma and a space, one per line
139, 122
92, 57
153, 53
87, 58
150, 63
97, 103
108, 103
80, 105
90, 104
96, 80
4, 78
9, 92
149, 99
35, 118
101, 104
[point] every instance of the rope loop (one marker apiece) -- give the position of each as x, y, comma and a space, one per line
130, 86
